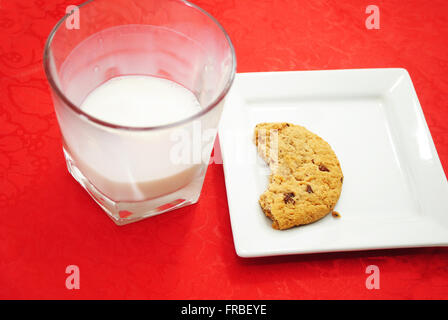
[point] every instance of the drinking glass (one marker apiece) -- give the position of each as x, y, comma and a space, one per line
136, 172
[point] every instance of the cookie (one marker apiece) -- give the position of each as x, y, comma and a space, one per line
306, 177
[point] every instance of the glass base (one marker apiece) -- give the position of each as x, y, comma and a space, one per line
122, 212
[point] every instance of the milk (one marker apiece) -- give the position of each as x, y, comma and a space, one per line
140, 101
128, 165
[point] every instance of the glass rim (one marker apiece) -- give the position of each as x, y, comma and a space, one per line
98, 121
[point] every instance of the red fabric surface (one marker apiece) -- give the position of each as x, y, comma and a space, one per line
48, 221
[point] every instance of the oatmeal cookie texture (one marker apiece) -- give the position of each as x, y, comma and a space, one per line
306, 176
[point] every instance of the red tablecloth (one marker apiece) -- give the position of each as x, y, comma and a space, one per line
48, 221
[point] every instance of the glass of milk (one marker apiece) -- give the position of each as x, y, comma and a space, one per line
138, 89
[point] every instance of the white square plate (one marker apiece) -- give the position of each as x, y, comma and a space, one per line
395, 191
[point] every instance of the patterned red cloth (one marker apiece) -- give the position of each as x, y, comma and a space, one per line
47, 221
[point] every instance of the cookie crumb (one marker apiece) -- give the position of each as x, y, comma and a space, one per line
335, 214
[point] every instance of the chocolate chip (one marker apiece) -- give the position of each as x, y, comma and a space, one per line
323, 168
342, 179
289, 198
309, 189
